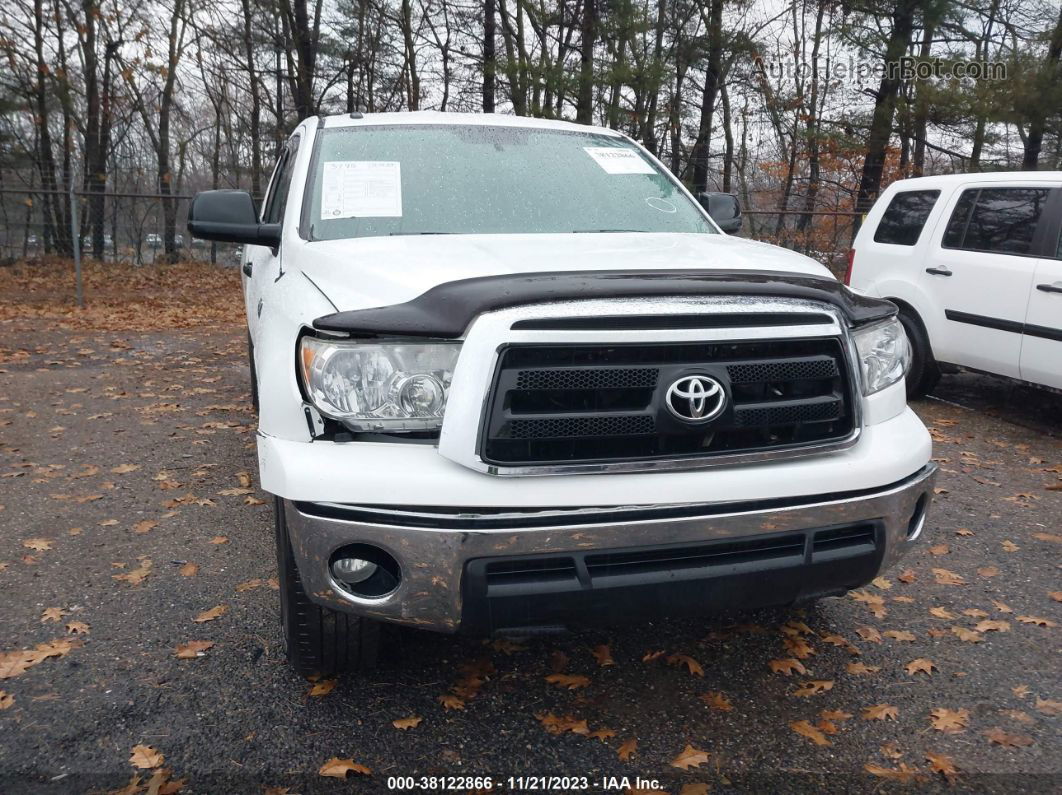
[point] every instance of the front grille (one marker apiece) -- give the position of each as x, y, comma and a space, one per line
567, 404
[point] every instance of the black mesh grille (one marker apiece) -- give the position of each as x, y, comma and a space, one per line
597, 403
612, 378
566, 427
790, 370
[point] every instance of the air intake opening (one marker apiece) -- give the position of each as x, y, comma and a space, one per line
918, 519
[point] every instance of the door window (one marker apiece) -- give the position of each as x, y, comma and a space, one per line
905, 216
278, 193
1000, 220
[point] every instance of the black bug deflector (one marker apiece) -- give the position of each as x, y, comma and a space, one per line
445, 311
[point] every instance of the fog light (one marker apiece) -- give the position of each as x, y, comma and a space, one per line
353, 570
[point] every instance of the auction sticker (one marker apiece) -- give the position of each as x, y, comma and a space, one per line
617, 160
361, 189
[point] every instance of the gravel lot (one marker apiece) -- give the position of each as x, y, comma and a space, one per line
125, 516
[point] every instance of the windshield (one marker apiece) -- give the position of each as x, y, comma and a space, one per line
472, 179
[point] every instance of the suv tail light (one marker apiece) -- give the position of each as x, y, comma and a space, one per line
848, 270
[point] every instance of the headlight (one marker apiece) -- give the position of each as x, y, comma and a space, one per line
379, 386
884, 355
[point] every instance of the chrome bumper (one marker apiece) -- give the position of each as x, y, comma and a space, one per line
432, 559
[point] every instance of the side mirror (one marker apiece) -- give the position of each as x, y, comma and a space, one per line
228, 216
724, 209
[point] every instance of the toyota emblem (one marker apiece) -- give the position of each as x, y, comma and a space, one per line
696, 398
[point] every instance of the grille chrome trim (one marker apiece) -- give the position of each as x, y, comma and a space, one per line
492, 332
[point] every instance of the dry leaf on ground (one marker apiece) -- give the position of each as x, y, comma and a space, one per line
145, 757
690, 757
339, 768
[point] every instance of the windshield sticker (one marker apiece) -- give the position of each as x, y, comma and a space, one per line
361, 189
619, 161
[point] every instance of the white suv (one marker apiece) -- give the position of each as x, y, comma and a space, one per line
513, 377
974, 262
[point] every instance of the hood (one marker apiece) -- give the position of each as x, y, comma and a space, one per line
381, 271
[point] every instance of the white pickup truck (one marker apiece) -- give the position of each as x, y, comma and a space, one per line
513, 378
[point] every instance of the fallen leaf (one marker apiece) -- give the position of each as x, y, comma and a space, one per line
805, 729
690, 757
193, 649
569, 681
145, 757
1009, 546
1000, 737
902, 635
907, 577
218, 540
921, 665
690, 663
124, 469
975, 612
1002, 608
565, 723
814, 687
859, 669
717, 700
339, 768
1021, 691
949, 721
891, 751
787, 666
407, 723
188, 570
144, 526
6, 700
52, 614
940, 612
939, 549
1048, 707
603, 655
625, 751
967, 635
944, 765
694, 788
880, 712
652, 656
211, 614
945, 577
450, 701
322, 687
882, 583
992, 625
77, 628
37, 544
869, 634
988, 571
1037, 620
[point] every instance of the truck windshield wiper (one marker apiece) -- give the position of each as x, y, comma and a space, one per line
594, 231
399, 234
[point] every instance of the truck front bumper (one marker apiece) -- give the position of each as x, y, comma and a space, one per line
486, 570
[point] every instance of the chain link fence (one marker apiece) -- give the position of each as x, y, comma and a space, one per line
132, 228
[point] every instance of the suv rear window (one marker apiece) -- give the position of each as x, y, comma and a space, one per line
905, 216
1001, 220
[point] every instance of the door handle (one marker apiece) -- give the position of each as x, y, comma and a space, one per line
1050, 288
247, 269
939, 271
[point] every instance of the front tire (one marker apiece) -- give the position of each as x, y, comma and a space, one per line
319, 640
924, 373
